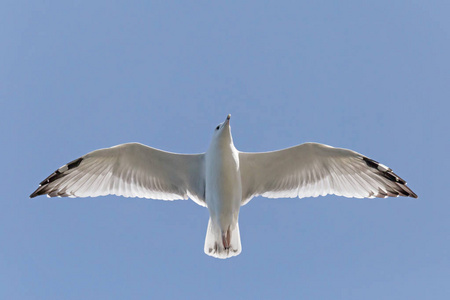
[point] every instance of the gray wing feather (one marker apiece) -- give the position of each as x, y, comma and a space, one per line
130, 170
311, 170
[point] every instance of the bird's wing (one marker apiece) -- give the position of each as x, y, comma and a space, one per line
312, 169
130, 170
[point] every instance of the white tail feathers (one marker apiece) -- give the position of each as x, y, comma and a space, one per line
222, 244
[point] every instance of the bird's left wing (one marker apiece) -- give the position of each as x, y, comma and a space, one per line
130, 170
312, 169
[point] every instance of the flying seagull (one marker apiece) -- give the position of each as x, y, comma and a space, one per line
223, 179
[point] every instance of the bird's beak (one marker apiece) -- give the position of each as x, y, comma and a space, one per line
227, 121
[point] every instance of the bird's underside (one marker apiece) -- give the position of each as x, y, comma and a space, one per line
307, 170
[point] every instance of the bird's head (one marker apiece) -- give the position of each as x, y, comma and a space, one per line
222, 132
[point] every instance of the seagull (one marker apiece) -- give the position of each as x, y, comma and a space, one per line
223, 179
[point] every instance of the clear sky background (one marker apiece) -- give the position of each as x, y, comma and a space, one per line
372, 76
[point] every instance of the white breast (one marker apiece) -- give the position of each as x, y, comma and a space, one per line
223, 185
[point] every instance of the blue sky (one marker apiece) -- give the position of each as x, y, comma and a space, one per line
371, 76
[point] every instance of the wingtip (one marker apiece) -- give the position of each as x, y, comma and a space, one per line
35, 193
59, 173
401, 190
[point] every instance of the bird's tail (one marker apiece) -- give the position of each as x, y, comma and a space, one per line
222, 244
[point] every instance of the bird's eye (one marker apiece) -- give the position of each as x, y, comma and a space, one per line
218, 126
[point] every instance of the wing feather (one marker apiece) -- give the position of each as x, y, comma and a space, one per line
130, 170
312, 169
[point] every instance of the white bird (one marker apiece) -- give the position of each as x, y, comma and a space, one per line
223, 179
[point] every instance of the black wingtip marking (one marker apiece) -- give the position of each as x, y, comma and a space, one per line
390, 177
401, 190
74, 163
371, 163
58, 174
55, 175
42, 190
386, 173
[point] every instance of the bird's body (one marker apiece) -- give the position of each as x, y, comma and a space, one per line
223, 193
223, 179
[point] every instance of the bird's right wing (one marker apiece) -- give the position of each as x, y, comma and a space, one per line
130, 170
312, 169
